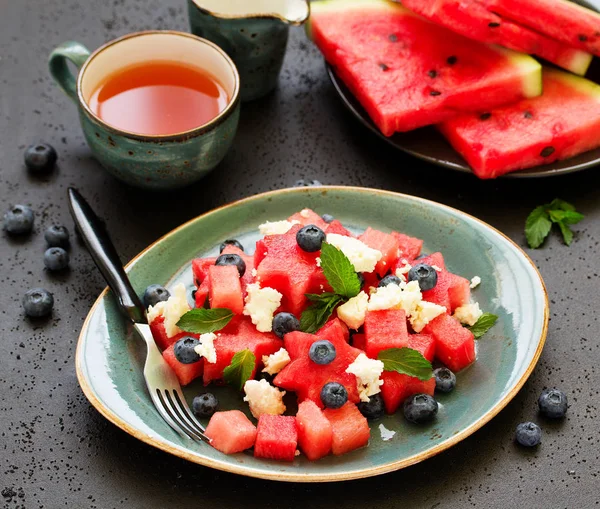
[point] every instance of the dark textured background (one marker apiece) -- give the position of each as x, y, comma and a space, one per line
57, 451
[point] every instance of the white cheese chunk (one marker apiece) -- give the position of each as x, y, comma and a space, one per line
172, 309
475, 282
353, 312
261, 303
404, 296
402, 271
275, 362
436, 268
386, 434
305, 213
318, 261
276, 227
425, 312
360, 255
263, 398
367, 372
206, 348
468, 314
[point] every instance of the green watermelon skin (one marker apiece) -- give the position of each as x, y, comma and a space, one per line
407, 72
562, 123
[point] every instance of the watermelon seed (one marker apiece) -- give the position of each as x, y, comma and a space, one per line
435, 92
582, 37
383, 67
393, 37
485, 116
432, 73
528, 114
452, 60
493, 25
547, 151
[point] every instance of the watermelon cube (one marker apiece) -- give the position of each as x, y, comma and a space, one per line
440, 293
276, 437
397, 387
459, 290
247, 278
231, 432
385, 329
387, 244
334, 328
358, 340
454, 344
202, 293
410, 247
185, 372
225, 289
436, 259
308, 216
298, 343
200, 268
349, 427
161, 338
336, 227
315, 435
424, 344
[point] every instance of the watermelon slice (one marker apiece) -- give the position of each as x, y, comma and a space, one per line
276, 437
563, 122
459, 290
454, 344
410, 247
231, 432
424, 344
440, 293
224, 288
385, 329
472, 19
407, 72
350, 428
308, 216
397, 387
314, 431
387, 244
186, 373
562, 20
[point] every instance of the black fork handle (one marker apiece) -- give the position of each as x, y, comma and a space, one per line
105, 256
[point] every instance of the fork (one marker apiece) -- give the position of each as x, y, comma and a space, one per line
163, 385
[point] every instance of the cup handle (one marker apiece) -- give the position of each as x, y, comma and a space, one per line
74, 52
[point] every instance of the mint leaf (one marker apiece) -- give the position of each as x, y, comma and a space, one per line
567, 234
315, 315
407, 362
339, 271
240, 369
539, 222
202, 321
481, 326
537, 227
558, 204
565, 216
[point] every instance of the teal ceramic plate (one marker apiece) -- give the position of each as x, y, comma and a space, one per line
109, 357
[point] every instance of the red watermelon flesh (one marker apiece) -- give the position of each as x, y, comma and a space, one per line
564, 21
334, 328
276, 437
385, 329
454, 344
385, 55
387, 244
439, 294
231, 432
247, 278
200, 269
308, 216
314, 431
424, 344
202, 293
397, 387
336, 227
162, 340
298, 343
358, 341
185, 372
472, 19
225, 289
410, 247
434, 259
459, 290
562, 123
350, 428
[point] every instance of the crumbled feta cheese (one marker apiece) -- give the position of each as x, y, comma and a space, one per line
405, 296
436, 268
367, 372
254, 272
296, 452
263, 398
402, 271
386, 434
468, 314
318, 261
261, 303
172, 309
206, 348
360, 255
276, 227
353, 312
475, 282
305, 213
275, 362
425, 312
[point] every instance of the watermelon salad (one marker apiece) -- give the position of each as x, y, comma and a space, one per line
346, 326
445, 62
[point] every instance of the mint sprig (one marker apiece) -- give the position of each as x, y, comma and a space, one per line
203, 321
406, 361
240, 369
315, 315
540, 220
485, 322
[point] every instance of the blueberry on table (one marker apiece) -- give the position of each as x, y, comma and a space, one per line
328, 218
322, 352
528, 434
38, 302
420, 408
184, 350
334, 395
310, 238
40, 158
232, 259
553, 403
18, 220
57, 236
425, 274
56, 258
445, 380
389, 280
155, 294
205, 405
284, 323
374, 408
230, 242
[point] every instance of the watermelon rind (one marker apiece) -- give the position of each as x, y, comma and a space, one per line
532, 71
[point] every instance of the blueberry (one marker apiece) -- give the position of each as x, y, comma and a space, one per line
389, 280
322, 352
327, 218
230, 242
155, 294
18, 220
425, 274
232, 259
420, 408
57, 236
528, 434
310, 238
334, 395
40, 158
56, 258
553, 403
445, 380
38, 302
284, 323
372, 409
307, 183
421, 256
205, 405
184, 350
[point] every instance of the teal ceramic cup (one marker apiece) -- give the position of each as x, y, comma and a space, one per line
150, 161
254, 34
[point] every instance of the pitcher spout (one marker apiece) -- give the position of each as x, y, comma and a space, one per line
292, 12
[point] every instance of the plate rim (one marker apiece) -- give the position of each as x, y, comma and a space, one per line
300, 477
